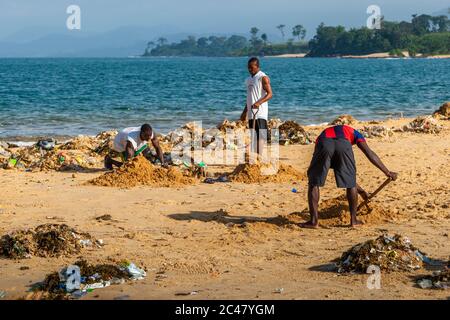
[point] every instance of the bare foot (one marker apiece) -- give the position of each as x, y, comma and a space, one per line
357, 223
309, 225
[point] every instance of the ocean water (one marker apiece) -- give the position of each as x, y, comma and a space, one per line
64, 97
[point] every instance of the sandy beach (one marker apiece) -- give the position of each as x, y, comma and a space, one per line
216, 239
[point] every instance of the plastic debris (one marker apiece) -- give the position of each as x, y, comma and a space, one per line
394, 253
279, 290
293, 133
424, 124
92, 277
344, 119
377, 132
2, 294
438, 280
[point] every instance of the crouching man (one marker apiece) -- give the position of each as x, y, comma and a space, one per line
131, 142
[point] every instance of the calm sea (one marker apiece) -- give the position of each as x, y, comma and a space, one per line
45, 97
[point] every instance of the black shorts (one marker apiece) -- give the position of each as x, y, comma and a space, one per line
336, 154
260, 124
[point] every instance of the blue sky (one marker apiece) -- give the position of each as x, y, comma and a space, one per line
201, 16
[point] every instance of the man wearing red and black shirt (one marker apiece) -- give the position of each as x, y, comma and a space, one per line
334, 150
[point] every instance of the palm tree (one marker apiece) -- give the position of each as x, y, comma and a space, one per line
281, 28
264, 38
299, 31
254, 32
162, 41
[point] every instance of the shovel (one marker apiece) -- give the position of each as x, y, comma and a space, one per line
372, 195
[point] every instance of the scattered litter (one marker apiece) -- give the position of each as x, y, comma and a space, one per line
221, 179
293, 133
377, 132
140, 171
294, 190
388, 253
423, 124
192, 293
2, 294
345, 119
279, 290
264, 173
48, 240
443, 112
438, 280
91, 277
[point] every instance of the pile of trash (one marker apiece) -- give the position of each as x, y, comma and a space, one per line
423, 124
344, 119
377, 132
443, 112
293, 133
265, 173
437, 280
77, 154
74, 282
388, 253
335, 212
140, 172
48, 240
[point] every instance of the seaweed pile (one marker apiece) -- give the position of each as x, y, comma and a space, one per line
389, 253
443, 112
344, 119
293, 133
55, 285
377, 132
48, 240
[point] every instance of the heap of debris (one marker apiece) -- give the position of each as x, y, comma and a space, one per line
56, 287
423, 124
443, 112
377, 132
48, 240
344, 119
264, 173
293, 133
78, 154
388, 253
438, 280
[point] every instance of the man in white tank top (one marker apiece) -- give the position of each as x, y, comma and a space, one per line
259, 92
131, 142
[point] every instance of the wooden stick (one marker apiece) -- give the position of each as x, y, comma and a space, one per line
372, 195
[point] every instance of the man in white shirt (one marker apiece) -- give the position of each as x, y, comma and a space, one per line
259, 92
131, 142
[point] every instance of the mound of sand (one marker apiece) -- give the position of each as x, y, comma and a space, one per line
140, 172
344, 119
264, 173
48, 240
388, 253
335, 212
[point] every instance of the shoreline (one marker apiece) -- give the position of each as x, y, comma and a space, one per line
24, 140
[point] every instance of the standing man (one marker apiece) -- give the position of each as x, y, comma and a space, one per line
259, 92
334, 150
131, 142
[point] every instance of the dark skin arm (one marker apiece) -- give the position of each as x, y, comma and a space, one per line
375, 160
159, 151
269, 94
130, 150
